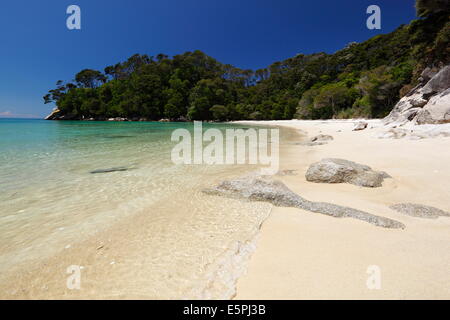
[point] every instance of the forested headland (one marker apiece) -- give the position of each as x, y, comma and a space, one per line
361, 80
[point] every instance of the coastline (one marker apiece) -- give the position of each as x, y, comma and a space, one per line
275, 252
303, 255
168, 247
128, 172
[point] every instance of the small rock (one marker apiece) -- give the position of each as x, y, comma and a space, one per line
360, 126
321, 137
109, 170
318, 140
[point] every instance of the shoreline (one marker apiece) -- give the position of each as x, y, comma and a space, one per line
303, 255
167, 250
288, 253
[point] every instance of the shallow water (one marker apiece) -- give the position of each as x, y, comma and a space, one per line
63, 181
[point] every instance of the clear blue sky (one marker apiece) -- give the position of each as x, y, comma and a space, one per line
36, 48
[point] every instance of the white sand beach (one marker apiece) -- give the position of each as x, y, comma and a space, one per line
305, 255
180, 250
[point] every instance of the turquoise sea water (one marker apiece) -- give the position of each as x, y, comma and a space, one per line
50, 199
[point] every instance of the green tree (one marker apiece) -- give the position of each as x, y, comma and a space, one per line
89, 78
381, 89
219, 113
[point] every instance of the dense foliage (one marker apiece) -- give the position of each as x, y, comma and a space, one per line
364, 79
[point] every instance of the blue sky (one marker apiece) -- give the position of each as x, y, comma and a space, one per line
36, 48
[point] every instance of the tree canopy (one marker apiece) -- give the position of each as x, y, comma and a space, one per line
363, 79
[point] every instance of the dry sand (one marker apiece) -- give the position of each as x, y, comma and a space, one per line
302, 255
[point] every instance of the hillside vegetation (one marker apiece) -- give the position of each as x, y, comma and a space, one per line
362, 80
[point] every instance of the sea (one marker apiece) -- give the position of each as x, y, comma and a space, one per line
69, 188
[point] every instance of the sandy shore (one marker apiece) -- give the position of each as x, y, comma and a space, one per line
299, 254
303, 255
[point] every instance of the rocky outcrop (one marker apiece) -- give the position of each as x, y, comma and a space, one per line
57, 114
278, 194
419, 210
343, 171
53, 115
437, 110
427, 103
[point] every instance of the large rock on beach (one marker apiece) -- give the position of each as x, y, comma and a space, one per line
332, 170
259, 188
437, 109
427, 103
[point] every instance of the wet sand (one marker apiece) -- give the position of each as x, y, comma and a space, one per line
188, 247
